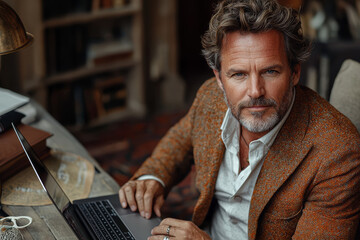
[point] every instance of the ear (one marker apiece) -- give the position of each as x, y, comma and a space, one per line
218, 79
295, 78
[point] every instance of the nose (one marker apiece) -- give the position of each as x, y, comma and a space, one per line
255, 86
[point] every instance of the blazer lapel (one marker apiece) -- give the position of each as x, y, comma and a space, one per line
287, 152
212, 155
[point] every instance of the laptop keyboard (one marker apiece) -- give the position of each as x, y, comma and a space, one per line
104, 221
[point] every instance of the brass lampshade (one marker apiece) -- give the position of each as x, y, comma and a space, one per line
13, 36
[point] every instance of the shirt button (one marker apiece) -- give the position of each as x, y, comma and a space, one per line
234, 220
237, 199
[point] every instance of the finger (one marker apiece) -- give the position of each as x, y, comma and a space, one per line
122, 198
148, 201
180, 229
139, 196
122, 195
175, 222
160, 237
129, 195
165, 230
169, 221
159, 201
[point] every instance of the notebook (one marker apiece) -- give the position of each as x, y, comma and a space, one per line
91, 218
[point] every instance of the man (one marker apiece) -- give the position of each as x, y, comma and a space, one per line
273, 160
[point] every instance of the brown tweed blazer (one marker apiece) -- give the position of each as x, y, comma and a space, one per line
309, 185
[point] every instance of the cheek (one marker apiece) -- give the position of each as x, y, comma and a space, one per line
277, 91
234, 93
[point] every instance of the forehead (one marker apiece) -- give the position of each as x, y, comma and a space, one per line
244, 47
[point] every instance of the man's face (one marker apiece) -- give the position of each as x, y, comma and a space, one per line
256, 78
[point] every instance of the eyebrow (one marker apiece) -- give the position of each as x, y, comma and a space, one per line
274, 66
234, 70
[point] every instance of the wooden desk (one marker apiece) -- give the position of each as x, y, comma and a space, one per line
47, 222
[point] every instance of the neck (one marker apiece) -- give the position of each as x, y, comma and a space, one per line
251, 136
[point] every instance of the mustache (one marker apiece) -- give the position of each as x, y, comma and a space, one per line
262, 101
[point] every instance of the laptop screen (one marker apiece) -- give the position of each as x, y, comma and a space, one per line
48, 182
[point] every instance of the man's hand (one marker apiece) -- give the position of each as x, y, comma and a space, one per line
177, 229
142, 195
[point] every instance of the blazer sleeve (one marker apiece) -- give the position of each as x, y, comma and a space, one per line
172, 158
332, 208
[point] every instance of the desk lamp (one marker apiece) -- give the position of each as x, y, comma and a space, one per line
13, 36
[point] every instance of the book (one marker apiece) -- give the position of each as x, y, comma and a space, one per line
98, 103
108, 52
90, 104
112, 91
106, 3
12, 156
119, 3
79, 105
95, 5
7, 118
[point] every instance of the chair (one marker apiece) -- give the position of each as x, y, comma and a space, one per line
345, 93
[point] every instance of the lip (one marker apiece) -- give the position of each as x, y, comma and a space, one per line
258, 108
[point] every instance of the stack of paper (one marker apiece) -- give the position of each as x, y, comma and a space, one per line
10, 101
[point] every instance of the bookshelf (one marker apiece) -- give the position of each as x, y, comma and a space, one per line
86, 63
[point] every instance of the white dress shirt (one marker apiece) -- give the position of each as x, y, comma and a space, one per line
233, 190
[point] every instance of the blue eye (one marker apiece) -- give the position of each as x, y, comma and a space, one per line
271, 71
239, 75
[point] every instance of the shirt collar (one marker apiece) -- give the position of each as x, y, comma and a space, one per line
230, 129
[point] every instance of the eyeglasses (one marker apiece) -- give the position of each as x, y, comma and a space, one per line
12, 222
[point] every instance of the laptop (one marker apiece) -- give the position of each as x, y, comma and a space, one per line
91, 218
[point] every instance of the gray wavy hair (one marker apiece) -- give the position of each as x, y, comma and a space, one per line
254, 16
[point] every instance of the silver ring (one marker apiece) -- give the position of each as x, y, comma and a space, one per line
166, 238
168, 231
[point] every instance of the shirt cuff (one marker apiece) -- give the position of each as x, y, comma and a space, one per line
151, 177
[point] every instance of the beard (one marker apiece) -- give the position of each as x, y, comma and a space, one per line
257, 122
